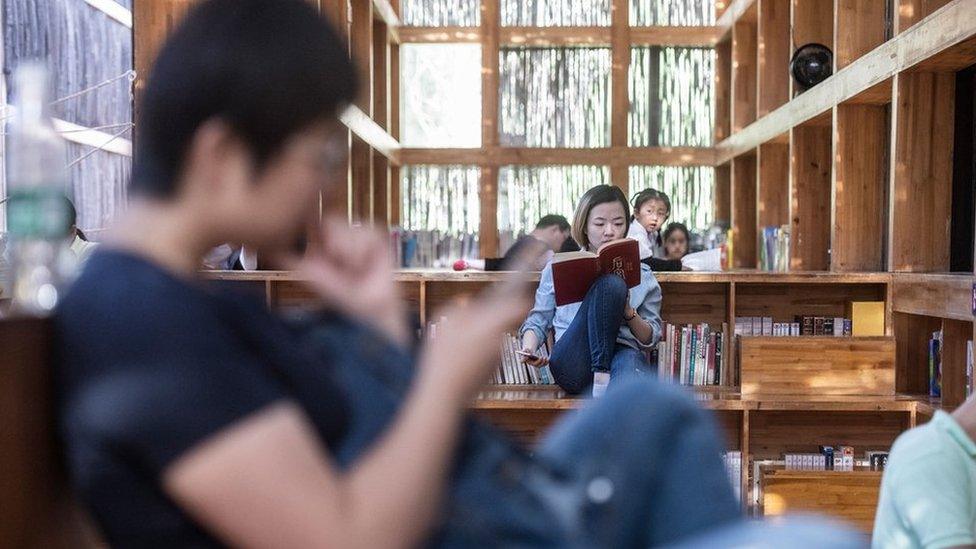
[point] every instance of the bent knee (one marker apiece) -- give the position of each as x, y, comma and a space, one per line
611, 284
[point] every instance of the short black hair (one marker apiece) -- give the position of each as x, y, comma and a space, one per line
650, 194
553, 219
267, 68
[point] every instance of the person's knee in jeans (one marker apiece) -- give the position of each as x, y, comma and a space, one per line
611, 286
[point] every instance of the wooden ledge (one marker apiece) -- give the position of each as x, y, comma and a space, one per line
519, 397
444, 275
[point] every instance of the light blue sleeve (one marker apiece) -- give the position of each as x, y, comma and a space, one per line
650, 308
542, 313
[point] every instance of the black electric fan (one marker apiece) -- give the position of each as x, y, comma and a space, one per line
811, 64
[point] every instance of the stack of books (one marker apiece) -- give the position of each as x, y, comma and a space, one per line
801, 326
830, 458
774, 251
692, 355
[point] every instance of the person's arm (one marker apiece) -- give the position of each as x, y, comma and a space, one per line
539, 320
267, 481
645, 320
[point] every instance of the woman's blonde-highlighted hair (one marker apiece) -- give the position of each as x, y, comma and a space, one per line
601, 194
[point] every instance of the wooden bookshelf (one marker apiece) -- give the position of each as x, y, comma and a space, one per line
849, 495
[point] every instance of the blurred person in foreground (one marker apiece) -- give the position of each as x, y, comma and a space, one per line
196, 418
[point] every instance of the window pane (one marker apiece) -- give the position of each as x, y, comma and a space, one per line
671, 96
555, 13
440, 95
526, 193
680, 13
440, 213
554, 97
690, 189
440, 13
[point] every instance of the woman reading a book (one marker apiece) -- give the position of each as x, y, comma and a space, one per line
605, 336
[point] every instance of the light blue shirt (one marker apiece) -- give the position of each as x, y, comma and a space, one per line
928, 492
645, 298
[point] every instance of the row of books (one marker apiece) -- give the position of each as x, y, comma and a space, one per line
691, 355
774, 250
430, 249
512, 371
733, 467
802, 325
833, 458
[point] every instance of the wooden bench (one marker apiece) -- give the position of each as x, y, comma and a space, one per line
36, 505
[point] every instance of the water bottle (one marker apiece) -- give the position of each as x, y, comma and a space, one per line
37, 209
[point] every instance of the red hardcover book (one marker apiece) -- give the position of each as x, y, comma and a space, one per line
574, 272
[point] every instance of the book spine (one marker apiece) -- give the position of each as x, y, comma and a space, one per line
818, 326
720, 376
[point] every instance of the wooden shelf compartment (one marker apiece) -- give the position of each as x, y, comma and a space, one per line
811, 163
812, 22
816, 365
859, 27
851, 496
859, 187
774, 50
744, 69
773, 181
744, 217
921, 172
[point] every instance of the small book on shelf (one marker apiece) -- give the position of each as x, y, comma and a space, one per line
574, 272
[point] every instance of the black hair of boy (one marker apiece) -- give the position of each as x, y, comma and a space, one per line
267, 68
553, 219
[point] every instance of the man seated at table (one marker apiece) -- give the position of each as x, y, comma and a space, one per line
550, 235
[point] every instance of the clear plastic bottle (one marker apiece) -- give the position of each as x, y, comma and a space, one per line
37, 212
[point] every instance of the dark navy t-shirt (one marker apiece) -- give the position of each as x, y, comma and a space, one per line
149, 366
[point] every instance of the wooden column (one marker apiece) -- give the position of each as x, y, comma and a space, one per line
394, 213
381, 115
921, 178
361, 156
723, 90
859, 188
488, 191
723, 193
774, 55
336, 199
955, 334
620, 98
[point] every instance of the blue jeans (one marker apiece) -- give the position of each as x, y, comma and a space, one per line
590, 343
638, 468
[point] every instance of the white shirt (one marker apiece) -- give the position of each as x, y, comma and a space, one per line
646, 240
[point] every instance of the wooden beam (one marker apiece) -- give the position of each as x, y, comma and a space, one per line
371, 133
555, 36
935, 295
488, 183
440, 35
394, 131
611, 156
619, 89
692, 37
736, 10
953, 25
